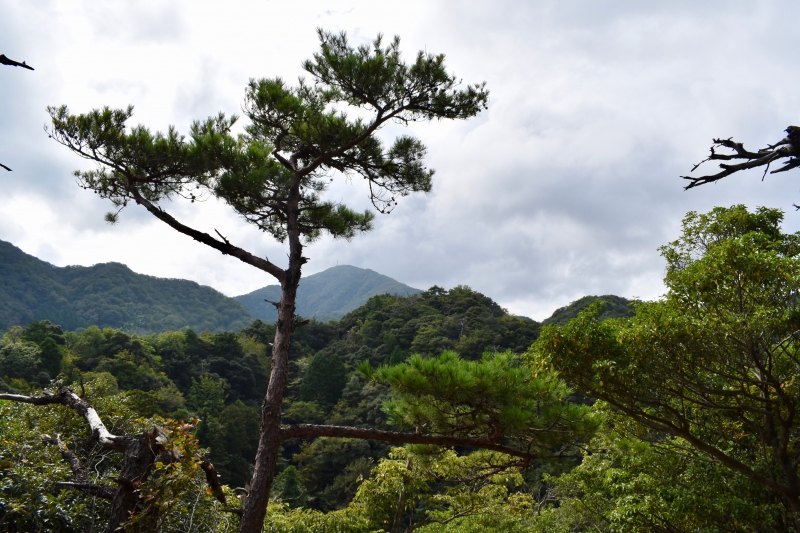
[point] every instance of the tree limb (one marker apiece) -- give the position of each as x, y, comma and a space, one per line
75, 464
78, 471
213, 480
788, 147
10, 62
101, 491
225, 247
318, 430
64, 396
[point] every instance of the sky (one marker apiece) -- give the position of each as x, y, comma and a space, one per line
566, 185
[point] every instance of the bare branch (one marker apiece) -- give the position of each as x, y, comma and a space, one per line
10, 62
213, 480
64, 396
70, 457
786, 148
101, 491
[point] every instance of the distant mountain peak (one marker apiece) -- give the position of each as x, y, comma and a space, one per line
327, 295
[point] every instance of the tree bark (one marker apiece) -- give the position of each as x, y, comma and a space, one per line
255, 505
138, 459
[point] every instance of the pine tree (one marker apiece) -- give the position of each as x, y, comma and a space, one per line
275, 175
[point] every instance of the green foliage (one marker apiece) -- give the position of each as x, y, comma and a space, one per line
21, 360
321, 462
634, 481
613, 307
29, 467
324, 379
51, 357
715, 362
289, 489
207, 395
460, 319
439, 490
232, 437
495, 397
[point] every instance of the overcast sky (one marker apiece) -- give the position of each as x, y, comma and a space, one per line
565, 186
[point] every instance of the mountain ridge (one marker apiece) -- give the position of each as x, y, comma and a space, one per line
108, 295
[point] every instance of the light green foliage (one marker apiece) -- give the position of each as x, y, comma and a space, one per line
29, 500
496, 397
442, 492
714, 362
281, 518
632, 482
207, 395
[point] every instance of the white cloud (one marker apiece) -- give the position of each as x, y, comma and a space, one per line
566, 186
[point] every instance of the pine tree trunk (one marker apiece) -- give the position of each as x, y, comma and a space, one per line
255, 505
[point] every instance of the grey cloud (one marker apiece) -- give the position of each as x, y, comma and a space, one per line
566, 186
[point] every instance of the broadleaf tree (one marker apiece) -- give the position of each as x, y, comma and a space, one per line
714, 364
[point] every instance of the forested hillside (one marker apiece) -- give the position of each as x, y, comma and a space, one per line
451, 362
327, 295
220, 378
108, 295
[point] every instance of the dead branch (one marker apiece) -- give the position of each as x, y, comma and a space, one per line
139, 456
10, 62
64, 396
101, 491
78, 471
78, 468
789, 147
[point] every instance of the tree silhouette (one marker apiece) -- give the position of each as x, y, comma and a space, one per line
10, 62
788, 148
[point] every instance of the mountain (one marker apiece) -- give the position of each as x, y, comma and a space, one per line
108, 295
327, 295
615, 307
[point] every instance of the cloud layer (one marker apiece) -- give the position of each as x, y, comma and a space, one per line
566, 186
